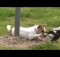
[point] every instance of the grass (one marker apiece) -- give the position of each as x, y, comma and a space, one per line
31, 16
11, 48
47, 46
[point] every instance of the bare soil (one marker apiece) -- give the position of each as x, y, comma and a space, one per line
8, 40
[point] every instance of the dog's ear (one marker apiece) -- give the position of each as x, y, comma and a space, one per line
39, 26
44, 24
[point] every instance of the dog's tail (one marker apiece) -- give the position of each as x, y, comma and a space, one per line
9, 28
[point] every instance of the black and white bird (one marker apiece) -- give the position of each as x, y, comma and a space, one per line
54, 34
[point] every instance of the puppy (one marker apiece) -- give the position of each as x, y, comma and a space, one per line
53, 35
29, 32
58, 28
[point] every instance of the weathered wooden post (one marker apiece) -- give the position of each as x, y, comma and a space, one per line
17, 21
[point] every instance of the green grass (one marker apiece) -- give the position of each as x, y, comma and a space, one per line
47, 46
11, 48
31, 16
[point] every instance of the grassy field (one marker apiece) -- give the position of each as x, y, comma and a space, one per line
29, 17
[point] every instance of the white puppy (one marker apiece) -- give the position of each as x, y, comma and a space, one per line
58, 28
29, 32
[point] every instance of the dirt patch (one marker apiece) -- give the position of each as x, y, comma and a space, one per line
7, 40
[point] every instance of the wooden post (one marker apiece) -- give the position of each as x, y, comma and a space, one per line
17, 21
